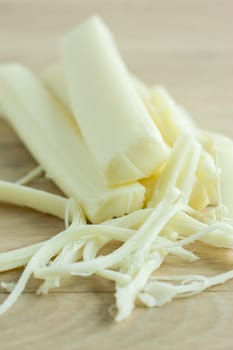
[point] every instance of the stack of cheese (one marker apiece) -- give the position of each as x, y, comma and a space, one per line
132, 164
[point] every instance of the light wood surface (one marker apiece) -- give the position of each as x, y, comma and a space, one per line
186, 46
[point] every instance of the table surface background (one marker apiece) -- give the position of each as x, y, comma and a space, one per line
186, 46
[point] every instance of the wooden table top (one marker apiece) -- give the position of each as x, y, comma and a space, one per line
186, 46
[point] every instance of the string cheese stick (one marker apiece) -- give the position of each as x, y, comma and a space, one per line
32, 198
112, 118
54, 140
54, 78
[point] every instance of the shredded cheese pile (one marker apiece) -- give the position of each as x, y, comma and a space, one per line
147, 237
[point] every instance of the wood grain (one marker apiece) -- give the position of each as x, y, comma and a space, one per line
186, 46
